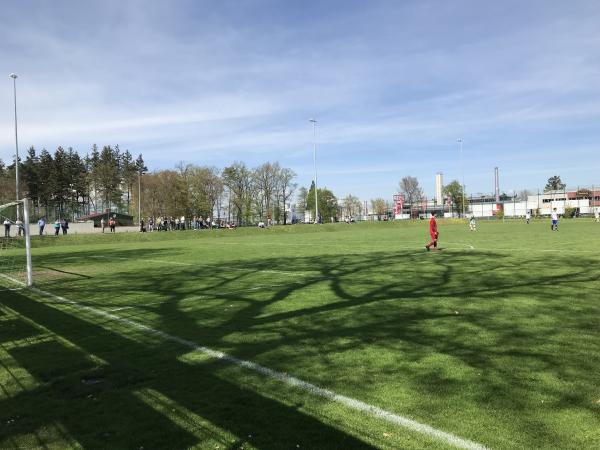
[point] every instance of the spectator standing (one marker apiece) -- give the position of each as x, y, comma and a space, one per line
56, 227
41, 224
102, 224
6, 228
20, 229
64, 224
112, 224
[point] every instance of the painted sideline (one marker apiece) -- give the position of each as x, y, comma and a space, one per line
280, 376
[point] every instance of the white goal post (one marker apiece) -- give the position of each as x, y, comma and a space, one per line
13, 267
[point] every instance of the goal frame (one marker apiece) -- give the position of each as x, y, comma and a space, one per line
26, 232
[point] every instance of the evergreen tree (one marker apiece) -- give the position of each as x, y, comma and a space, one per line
328, 204
45, 169
554, 184
60, 181
107, 176
129, 174
30, 175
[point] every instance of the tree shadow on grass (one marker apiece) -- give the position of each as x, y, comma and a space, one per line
502, 322
107, 413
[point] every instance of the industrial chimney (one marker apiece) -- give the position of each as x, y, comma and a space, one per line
439, 188
497, 184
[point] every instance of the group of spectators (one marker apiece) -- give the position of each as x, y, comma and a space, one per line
58, 225
8, 223
181, 224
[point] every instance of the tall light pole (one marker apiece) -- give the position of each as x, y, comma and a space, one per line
314, 122
140, 173
462, 170
14, 77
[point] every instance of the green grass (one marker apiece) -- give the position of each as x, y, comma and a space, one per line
495, 339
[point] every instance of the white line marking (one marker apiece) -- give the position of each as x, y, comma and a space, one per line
283, 377
121, 308
460, 243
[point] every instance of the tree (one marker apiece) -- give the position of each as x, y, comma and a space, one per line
301, 201
77, 179
60, 181
265, 179
378, 206
31, 175
554, 184
205, 187
351, 205
455, 191
523, 195
45, 188
409, 186
286, 188
310, 203
328, 204
107, 176
129, 174
237, 179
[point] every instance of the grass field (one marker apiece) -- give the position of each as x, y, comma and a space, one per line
495, 339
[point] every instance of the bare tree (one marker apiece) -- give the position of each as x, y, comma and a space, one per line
237, 178
205, 188
265, 178
413, 194
378, 205
286, 188
301, 201
352, 205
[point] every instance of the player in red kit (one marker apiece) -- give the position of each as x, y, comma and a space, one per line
433, 232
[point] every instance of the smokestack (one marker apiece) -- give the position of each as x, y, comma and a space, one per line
439, 187
497, 184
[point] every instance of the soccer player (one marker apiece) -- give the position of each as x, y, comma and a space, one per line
433, 232
472, 224
554, 217
527, 217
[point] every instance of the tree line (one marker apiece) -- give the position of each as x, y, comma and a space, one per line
66, 184
236, 193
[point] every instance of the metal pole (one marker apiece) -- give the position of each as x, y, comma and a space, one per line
14, 77
27, 241
462, 169
140, 198
314, 122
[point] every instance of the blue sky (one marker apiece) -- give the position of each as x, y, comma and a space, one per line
393, 84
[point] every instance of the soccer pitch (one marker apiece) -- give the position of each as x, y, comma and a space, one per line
335, 336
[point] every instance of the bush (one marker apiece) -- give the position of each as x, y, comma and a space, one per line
569, 213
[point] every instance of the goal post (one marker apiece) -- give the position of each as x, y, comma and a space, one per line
15, 244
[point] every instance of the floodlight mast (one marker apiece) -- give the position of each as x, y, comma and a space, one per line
14, 77
140, 173
462, 170
314, 122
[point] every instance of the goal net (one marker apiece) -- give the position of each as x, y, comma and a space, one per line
15, 249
